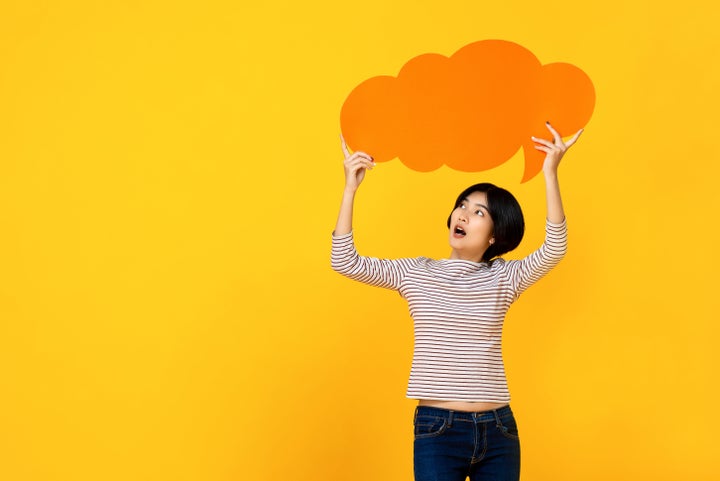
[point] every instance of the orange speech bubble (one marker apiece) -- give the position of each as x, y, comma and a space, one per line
471, 111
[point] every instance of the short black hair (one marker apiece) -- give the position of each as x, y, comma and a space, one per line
506, 214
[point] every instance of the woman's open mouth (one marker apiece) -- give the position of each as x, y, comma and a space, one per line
459, 232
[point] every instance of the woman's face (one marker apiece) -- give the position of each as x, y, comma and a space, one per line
471, 228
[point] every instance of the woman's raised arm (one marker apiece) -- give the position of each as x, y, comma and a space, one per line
355, 166
554, 150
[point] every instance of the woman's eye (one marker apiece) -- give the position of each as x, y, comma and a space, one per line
479, 212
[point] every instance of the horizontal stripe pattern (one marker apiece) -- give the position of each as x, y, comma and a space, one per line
458, 308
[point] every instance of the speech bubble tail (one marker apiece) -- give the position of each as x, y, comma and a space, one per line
533, 161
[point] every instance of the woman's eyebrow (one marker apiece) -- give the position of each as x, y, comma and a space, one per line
483, 206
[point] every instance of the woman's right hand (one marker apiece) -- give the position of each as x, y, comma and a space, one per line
355, 166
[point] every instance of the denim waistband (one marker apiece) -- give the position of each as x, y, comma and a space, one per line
475, 417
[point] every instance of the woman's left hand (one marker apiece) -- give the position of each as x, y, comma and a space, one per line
554, 150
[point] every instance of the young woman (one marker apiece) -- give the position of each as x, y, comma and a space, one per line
464, 426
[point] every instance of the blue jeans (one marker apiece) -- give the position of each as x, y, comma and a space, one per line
454, 445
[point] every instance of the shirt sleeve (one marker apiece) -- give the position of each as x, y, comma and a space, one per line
369, 270
525, 272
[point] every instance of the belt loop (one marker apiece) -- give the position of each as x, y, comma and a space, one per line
450, 418
497, 418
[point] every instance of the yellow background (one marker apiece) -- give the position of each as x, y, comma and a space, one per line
170, 173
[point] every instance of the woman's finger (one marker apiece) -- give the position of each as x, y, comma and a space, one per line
345, 150
357, 162
544, 149
349, 155
362, 155
554, 132
574, 138
542, 141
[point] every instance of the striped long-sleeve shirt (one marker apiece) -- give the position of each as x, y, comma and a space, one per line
458, 308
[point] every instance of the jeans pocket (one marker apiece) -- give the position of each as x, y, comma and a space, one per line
507, 426
429, 426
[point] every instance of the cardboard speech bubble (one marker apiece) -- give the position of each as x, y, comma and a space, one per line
471, 111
